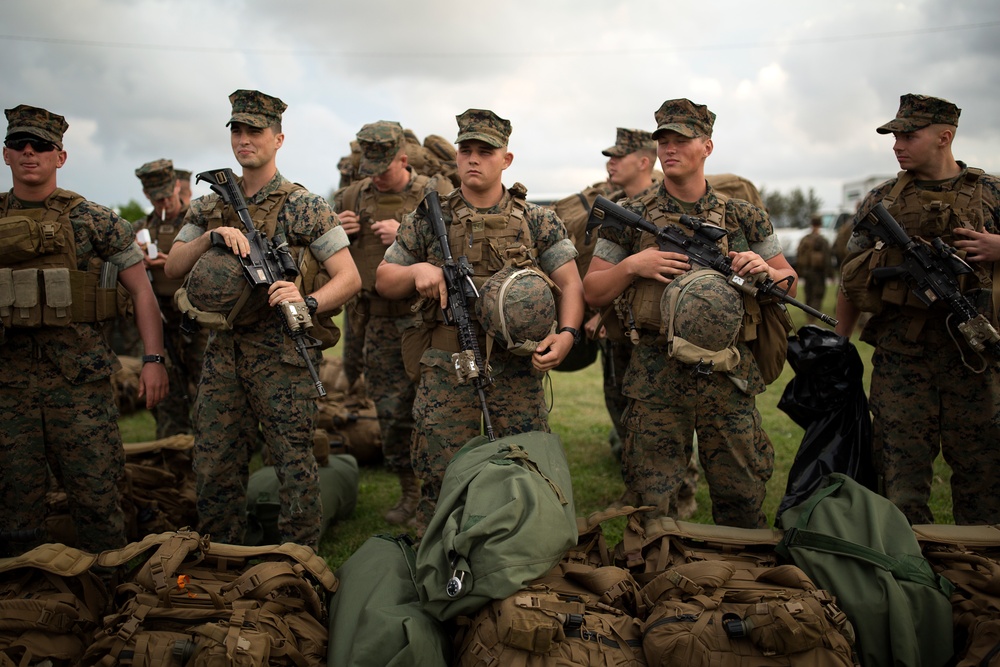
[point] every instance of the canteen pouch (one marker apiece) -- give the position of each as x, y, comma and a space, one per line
27, 312
57, 311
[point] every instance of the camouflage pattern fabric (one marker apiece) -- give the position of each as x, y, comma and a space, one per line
158, 178
390, 388
917, 111
253, 377
923, 398
684, 117
629, 141
447, 414
812, 263
58, 405
256, 109
24, 119
483, 125
380, 143
668, 405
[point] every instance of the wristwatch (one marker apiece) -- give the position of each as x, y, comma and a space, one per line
311, 304
575, 332
154, 359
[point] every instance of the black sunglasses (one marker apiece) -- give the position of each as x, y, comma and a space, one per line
37, 145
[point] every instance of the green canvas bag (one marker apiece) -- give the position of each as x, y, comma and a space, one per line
505, 516
375, 616
860, 547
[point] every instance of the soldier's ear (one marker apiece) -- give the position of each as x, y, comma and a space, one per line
709, 147
507, 159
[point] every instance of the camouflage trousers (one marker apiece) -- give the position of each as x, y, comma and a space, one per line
185, 354
815, 287
615, 356
448, 415
925, 404
244, 388
390, 389
735, 452
72, 430
352, 340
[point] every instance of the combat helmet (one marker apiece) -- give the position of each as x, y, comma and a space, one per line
702, 314
516, 306
216, 284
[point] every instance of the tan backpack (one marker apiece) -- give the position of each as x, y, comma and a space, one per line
187, 599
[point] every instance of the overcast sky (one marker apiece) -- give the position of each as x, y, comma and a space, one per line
799, 86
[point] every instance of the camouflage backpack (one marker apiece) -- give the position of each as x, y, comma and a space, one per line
50, 605
182, 598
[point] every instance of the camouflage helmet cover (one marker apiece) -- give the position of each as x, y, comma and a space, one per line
24, 119
919, 111
483, 125
216, 283
379, 144
516, 306
158, 178
702, 314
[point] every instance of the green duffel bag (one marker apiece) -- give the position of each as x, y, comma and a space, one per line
375, 615
505, 517
860, 547
338, 487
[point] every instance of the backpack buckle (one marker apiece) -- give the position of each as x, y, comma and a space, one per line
703, 368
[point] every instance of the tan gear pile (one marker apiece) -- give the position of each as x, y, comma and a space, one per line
347, 416
125, 385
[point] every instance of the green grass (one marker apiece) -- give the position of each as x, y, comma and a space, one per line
578, 415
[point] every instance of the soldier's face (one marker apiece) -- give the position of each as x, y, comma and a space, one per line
481, 166
395, 177
915, 149
167, 207
32, 167
682, 156
254, 147
623, 170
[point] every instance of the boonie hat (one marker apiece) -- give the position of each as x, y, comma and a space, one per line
24, 119
256, 109
379, 144
483, 125
158, 178
918, 111
684, 117
629, 141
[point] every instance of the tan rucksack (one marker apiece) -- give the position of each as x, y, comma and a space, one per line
161, 484
50, 605
347, 415
182, 597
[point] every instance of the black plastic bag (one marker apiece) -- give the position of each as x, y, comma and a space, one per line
827, 398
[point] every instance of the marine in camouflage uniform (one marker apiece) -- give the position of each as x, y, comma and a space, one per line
925, 398
253, 377
490, 217
55, 388
185, 351
184, 178
370, 211
668, 401
812, 262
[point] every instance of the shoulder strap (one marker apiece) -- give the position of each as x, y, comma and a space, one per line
903, 179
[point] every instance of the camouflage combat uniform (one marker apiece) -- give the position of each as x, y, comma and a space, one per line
57, 402
448, 414
812, 263
252, 378
185, 351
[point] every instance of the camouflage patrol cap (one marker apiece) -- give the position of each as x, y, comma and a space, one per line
630, 141
256, 109
379, 144
183, 174
158, 178
483, 125
40, 123
917, 111
684, 117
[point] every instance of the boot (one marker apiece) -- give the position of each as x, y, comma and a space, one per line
407, 505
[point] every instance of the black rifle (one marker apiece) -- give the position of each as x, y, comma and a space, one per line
700, 248
931, 271
458, 278
268, 262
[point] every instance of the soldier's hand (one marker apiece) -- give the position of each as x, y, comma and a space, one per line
153, 383
748, 262
979, 246
385, 230
590, 327
658, 265
551, 351
281, 291
350, 221
234, 238
429, 282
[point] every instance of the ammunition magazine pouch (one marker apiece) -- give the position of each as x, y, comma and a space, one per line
53, 297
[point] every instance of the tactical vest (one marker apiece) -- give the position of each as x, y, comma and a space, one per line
40, 283
163, 233
367, 249
644, 297
928, 214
